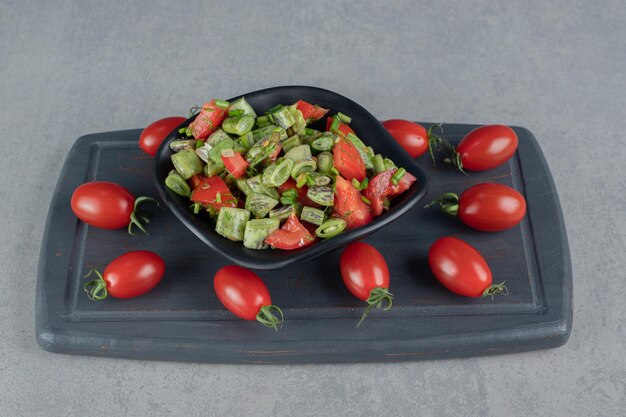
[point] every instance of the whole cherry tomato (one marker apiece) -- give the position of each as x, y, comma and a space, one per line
462, 269
487, 207
152, 136
128, 276
485, 148
245, 295
366, 275
109, 206
411, 136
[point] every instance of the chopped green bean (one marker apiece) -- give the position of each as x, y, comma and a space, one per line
360, 146
256, 185
312, 215
231, 223
257, 230
244, 106
331, 228
321, 194
265, 132
290, 143
213, 168
222, 104
187, 163
216, 137
283, 213
378, 163
389, 164
262, 121
177, 184
179, 145
289, 196
260, 204
302, 166
282, 117
247, 140
299, 124
325, 142
242, 185
277, 172
238, 125
299, 152
324, 162
315, 178
344, 118
397, 176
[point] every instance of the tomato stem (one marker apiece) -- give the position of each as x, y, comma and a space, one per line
496, 289
434, 141
377, 297
138, 216
449, 203
267, 318
96, 289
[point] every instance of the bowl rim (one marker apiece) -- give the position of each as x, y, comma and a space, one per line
412, 197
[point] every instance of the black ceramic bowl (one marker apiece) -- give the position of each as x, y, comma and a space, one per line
369, 130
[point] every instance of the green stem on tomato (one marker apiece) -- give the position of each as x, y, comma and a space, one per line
448, 202
137, 216
496, 289
96, 289
267, 318
377, 297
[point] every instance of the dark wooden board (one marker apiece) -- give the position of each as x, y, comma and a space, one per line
182, 319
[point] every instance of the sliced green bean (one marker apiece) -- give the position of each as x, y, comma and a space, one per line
215, 153
321, 194
312, 132
325, 142
299, 124
378, 163
312, 215
257, 230
256, 185
261, 150
242, 185
397, 176
180, 144
238, 125
389, 164
231, 223
324, 162
260, 204
187, 163
262, 121
360, 146
177, 184
298, 153
216, 137
282, 117
316, 178
203, 152
247, 140
213, 168
331, 228
282, 213
291, 143
242, 104
265, 132
302, 166
277, 172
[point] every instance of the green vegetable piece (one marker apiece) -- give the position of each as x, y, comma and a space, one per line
260, 204
299, 152
291, 143
265, 132
334, 126
324, 162
315, 178
261, 150
238, 125
257, 230
389, 164
277, 172
256, 185
312, 132
302, 166
360, 146
397, 176
177, 184
203, 152
213, 168
356, 184
282, 117
378, 163
283, 213
262, 121
216, 137
180, 144
242, 104
247, 140
321, 194
215, 154
222, 104
231, 223
242, 185
299, 125
312, 215
187, 163
331, 228
344, 118
289, 196
325, 142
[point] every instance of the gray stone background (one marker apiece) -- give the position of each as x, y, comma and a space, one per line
71, 68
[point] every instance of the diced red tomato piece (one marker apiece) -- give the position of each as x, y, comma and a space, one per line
347, 160
310, 112
381, 187
235, 164
302, 192
209, 119
349, 205
292, 235
207, 194
196, 180
342, 130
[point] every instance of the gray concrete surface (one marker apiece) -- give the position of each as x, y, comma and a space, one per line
71, 68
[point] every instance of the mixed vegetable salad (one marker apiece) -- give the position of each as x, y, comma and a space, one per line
252, 173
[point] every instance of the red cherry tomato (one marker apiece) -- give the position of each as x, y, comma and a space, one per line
487, 147
152, 136
108, 206
292, 235
366, 275
461, 268
347, 160
128, 276
411, 136
245, 295
349, 204
487, 207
